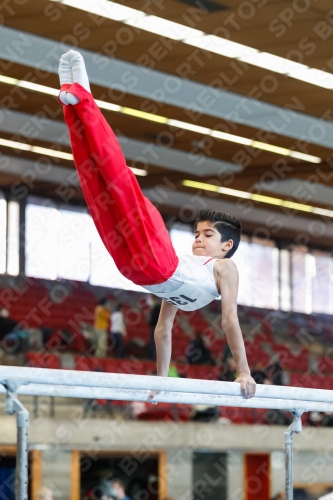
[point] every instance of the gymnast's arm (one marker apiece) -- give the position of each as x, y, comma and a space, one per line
228, 284
163, 337
163, 340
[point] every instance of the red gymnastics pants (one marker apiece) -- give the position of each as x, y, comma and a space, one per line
129, 225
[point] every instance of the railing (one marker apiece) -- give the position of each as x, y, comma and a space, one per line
112, 386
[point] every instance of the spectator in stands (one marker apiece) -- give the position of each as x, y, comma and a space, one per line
327, 419
118, 330
118, 490
44, 494
135, 409
259, 374
7, 324
47, 334
315, 419
228, 371
205, 413
173, 372
154, 314
197, 352
101, 326
274, 373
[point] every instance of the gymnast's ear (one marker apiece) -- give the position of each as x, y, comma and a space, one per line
227, 245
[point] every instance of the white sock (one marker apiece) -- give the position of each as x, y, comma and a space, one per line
79, 72
71, 98
65, 76
63, 97
65, 69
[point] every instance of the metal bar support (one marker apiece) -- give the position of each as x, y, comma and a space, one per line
296, 427
13, 405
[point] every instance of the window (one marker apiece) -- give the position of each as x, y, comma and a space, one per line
302, 273
104, 271
264, 263
322, 283
3, 233
258, 266
64, 243
285, 291
242, 258
182, 238
42, 225
74, 244
13, 241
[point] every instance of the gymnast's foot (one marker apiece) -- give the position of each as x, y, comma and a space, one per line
73, 60
65, 75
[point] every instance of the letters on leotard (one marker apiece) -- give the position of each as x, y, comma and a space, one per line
187, 297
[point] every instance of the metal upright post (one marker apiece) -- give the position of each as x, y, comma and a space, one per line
296, 426
35, 406
13, 405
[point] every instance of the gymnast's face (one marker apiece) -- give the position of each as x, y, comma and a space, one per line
207, 241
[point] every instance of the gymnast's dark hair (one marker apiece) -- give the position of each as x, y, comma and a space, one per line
228, 226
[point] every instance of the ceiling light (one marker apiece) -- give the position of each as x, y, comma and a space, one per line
139, 171
258, 197
35, 149
286, 152
230, 137
282, 203
218, 189
271, 62
271, 148
8, 79
37, 88
189, 126
168, 121
163, 27
304, 156
28, 85
104, 8
13, 144
314, 76
221, 46
323, 211
212, 43
52, 152
143, 115
107, 105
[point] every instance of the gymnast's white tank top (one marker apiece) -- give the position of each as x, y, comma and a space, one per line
191, 286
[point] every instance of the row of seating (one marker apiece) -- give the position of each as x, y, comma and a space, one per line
79, 305
128, 366
185, 413
138, 367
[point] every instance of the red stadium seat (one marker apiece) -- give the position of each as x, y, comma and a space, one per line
42, 360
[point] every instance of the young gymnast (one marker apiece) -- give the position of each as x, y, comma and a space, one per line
134, 233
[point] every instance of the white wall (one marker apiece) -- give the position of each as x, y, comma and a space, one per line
180, 473
313, 449
56, 470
